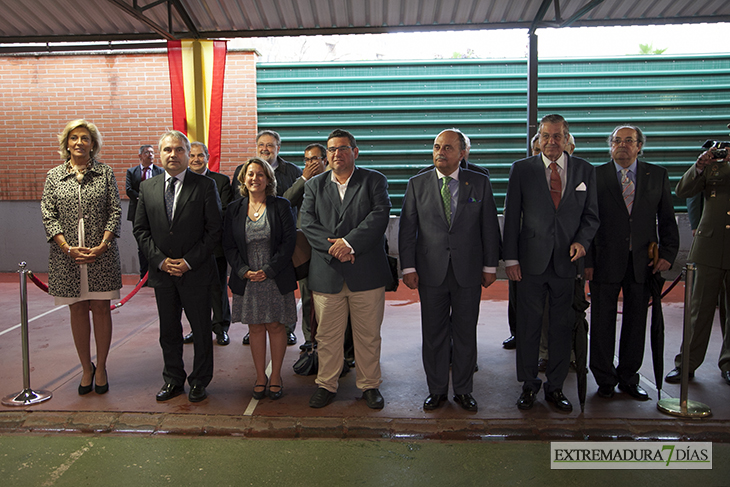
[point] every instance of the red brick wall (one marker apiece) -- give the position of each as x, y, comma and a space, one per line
126, 95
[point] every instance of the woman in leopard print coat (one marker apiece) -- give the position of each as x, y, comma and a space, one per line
82, 218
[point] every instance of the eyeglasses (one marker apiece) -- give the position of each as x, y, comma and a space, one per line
556, 137
266, 146
619, 141
313, 158
342, 148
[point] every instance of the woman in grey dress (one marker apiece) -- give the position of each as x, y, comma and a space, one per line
82, 217
259, 235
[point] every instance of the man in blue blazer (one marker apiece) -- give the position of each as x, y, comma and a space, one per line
344, 216
635, 207
550, 219
135, 175
449, 243
178, 225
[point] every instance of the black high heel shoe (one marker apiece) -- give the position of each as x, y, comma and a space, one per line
83, 390
101, 389
259, 394
274, 395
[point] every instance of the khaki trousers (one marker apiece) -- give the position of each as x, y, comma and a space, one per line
365, 309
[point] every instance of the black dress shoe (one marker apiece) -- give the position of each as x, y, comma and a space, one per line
542, 365
606, 392
101, 389
433, 401
510, 343
321, 398
197, 393
726, 376
188, 338
169, 391
276, 394
291, 339
635, 391
559, 400
527, 399
675, 376
373, 398
222, 338
83, 390
260, 394
467, 401
245, 339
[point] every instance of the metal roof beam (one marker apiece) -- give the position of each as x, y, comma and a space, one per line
138, 13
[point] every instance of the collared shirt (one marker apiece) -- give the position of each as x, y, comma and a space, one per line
341, 189
631, 174
178, 186
146, 172
562, 163
275, 164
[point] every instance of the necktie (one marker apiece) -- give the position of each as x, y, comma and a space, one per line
627, 189
446, 198
556, 188
144, 174
170, 198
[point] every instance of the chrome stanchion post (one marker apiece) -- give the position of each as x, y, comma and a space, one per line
27, 396
684, 407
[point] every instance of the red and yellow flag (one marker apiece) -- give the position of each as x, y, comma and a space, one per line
197, 71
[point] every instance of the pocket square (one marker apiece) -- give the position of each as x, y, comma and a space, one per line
473, 200
581, 187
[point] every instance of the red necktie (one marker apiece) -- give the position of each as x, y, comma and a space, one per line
556, 187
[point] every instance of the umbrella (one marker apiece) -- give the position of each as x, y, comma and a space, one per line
656, 332
580, 335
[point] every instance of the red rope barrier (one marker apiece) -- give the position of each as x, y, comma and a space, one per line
121, 303
38, 282
131, 294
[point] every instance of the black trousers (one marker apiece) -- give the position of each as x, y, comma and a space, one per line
532, 291
170, 303
604, 305
449, 313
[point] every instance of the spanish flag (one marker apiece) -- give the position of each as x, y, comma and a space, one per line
197, 71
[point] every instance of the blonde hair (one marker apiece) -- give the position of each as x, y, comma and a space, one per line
70, 127
268, 170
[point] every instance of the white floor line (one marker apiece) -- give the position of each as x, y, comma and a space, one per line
254, 402
32, 319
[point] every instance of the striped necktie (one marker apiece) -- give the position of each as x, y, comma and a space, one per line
170, 198
627, 189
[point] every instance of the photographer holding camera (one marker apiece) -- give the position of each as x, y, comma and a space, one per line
710, 252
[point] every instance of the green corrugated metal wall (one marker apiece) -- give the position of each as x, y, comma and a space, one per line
395, 109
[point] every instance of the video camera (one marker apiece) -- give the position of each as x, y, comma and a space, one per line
717, 148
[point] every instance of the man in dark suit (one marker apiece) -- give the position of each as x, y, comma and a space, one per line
219, 293
710, 252
135, 175
550, 219
635, 207
178, 225
268, 145
449, 242
344, 216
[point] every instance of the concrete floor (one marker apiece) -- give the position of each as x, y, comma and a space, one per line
149, 442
